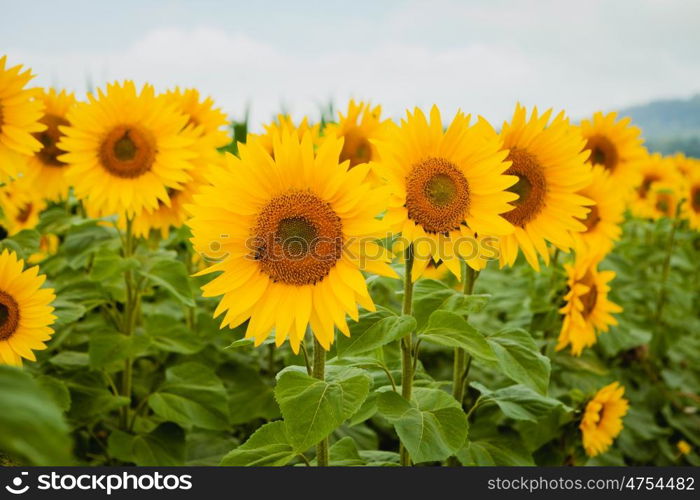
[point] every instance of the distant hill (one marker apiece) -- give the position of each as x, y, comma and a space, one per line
669, 125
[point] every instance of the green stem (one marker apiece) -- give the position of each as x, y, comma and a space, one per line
319, 373
406, 343
667, 265
129, 322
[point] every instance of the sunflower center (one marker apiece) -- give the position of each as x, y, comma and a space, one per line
603, 152
356, 149
9, 315
128, 151
695, 199
3, 233
664, 204
298, 238
644, 187
592, 219
49, 152
531, 187
437, 195
24, 213
589, 298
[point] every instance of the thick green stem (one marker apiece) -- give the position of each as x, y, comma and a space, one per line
129, 321
319, 372
407, 343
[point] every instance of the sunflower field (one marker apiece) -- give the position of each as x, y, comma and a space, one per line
348, 290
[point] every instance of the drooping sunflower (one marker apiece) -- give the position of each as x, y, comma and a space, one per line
21, 205
602, 419
588, 310
25, 310
46, 172
615, 145
292, 234
691, 207
285, 125
655, 170
547, 158
125, 149
447, 188
207, 122
603, 221
20, 113
361, 125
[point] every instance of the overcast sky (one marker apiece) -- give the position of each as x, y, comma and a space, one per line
481, 56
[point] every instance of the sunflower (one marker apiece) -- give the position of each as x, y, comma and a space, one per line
46, 171
447, 188
125, 149
292, 234
359, 127
602, 419
547, 158
686, 166
207, 122
20, 113
21, 205
615, 145
435, 271
691, 207
655, 170
25, 310
285, 125
587, 310
603, 221
663, 200
48, 246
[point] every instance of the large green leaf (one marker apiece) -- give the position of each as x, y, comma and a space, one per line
432, 426
163, 447
171, 337
518, 402
313, 408
192, 395
250, 395
497, 452
451, 330
374, 330
32, 426
520, 360
430, 296
171, 275
268, 446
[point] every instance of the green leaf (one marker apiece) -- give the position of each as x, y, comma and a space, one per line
268, 446
85, 239
499, 452
430, 296
192, 395
56, 389
108, 264
519, 402
170, 337
90, 399
432, 426
24, 244
107, 348
520, 360
207, 448
451, 330
171, 275
163, 447
70, 360
250, 396
374, 330
33, 429
313, 408
344, 453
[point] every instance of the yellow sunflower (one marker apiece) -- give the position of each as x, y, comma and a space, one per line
615, 145
663, 200
21, 205
125, 149
359, 127
435, 271
691, 207
46, 172
25, 310
588, 310
447, 188
20, 113
48, 246
548, 161
208, 123
653, 171
686, 166
603, 221
602, 419
292, 235
285, 125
